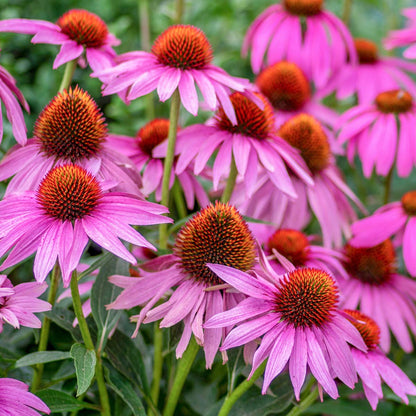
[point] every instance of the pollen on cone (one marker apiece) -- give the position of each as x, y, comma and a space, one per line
395, 101
303, 7
366, 326
409, 202
292, 244
152, 134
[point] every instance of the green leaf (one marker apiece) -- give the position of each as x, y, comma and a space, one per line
58, 401
124, 356
351, 407
64, 318
84, 361
103, 293
122, 386
42, 357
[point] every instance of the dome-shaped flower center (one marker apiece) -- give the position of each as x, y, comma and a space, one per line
367, 327
395, 101
292, 244
152, 134
83, 27
366, 50
409, 202
71, 126
303, 7
184, 47
307, 297
306, 134
251, 120
217, 234
372, 265
68, 193
285, 85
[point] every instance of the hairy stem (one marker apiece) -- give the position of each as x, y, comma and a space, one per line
68, 74
229, 187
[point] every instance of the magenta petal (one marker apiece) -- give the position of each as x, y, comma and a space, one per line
69, 51
187, 91
298, 361
409, 246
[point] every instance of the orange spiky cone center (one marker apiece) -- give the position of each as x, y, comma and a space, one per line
285, 86
68, 193
71, 126
395, 101
292, 244
251, 120
367, 327
372, 265
306, 134
83, 27
303, 7
307, 297
217, 234
409, 202
152, 134
366, 50
184, 47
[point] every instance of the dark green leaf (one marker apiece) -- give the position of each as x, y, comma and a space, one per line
64, 318
84, 361
348, 408
58, 401
42, 357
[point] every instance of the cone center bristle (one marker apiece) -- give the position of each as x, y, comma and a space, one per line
68, 193
217, 234
184, 47
285, 86
306, 134
307, 297
372, 265
251, 120
409, 202
71, 126
303, 7
395, 101
292, 244
366, 326
83, 27
366, 50
152, 134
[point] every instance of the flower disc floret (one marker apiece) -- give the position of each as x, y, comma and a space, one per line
68, 193
366, 50
307, 297
303, 7
217, 234
306, 134
395, 101
83, 27
251, 120
292, 244
367, 328
285, 85
372, 265
71, 126
184, 47
409, 202
152, 134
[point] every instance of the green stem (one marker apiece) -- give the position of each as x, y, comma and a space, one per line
86, 336
157, 365
182, 372
346, 13
305, 403
180, 8
167, 169
387, 186
46, 325
68, 74
179, 201
229, 187
240, 390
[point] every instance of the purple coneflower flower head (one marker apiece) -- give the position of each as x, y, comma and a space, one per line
216, 233
70, 207
252, 142
404, 37
18, 303
140, 151
373, 366
287, 88
70, 129
16, 400
394, 219
372, 75
299, 249
77, 31
301, 328
381, 133
303, 32
377, 290
180, 58
11, 96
